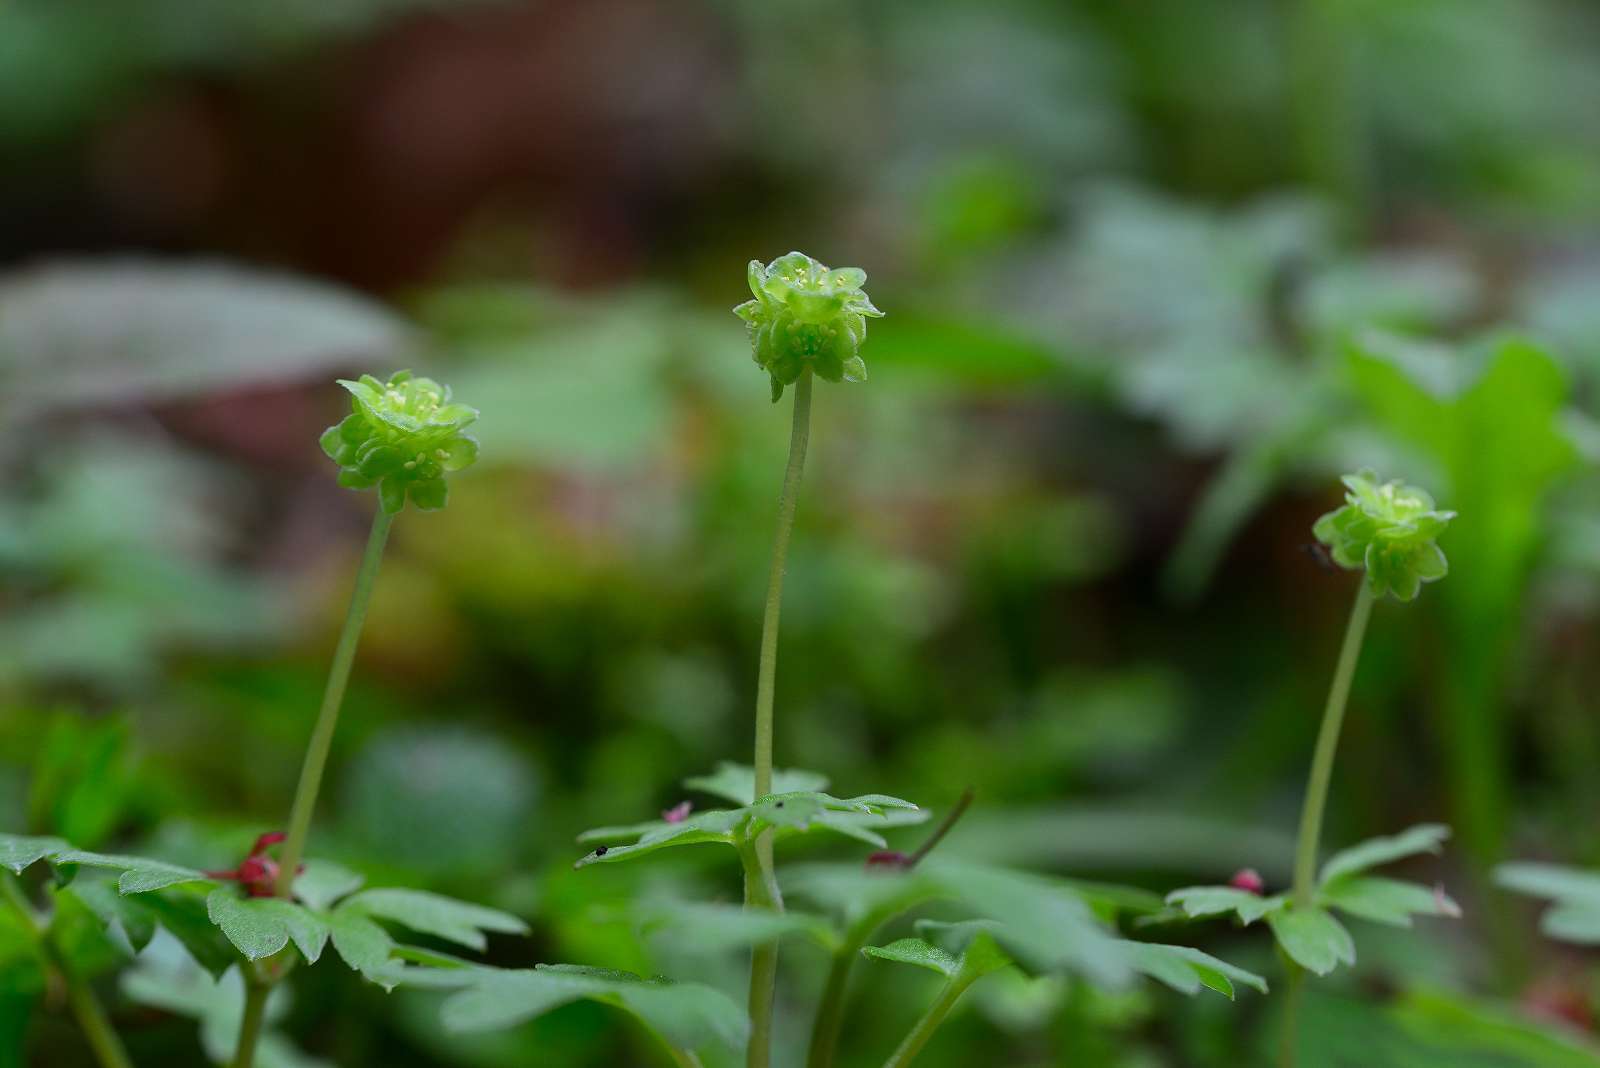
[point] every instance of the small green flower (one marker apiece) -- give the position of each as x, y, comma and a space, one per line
1389, 529
805, 315
401, 436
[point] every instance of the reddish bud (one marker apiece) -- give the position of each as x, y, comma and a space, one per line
678, 813
1249, 880
888, 858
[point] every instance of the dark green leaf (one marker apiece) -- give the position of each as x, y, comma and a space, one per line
139, 875
260, 927
916, 951
19, 851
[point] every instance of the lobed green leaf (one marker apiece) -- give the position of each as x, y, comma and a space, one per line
1424, 838
1312, 938
429, 913
1187, 970
1201, 901
1382, 900
261, 926
737, 782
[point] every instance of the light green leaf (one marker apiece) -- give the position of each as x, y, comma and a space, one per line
716, 825
1425, 838
918, 952
1573, 921
688, 1015
19, 851
1186, 969
1312, 938
139, 875
737, 782
1551, 881
260, 927
323, 882
1199, 901
362, 943
973, 940
1381, 900
442, 917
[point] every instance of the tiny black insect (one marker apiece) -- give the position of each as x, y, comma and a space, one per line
601, 851
1319, 552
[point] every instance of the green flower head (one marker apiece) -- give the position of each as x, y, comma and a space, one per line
807, 316
401, 436
1388, 528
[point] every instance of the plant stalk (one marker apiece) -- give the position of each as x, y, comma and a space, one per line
91, 1015
761, 884
305, 795
925, 1027
1316, 801
763, 962
256, 990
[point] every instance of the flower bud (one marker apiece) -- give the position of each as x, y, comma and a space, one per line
1388, 529
401, 436
806, 316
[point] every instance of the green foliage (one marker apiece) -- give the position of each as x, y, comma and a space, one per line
688, 1015
402, 436
1574, 915
786, 814
1186, 969
1310, 934
807, 317
1389, 529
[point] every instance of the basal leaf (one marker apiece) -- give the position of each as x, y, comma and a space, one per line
1312, 938
917, 952
1186, 969
1551, 881
1382, 900
1200, 901
260, 927
362, 944
1425, 838
716, 825
737, 782
442, 917
19, 851
323, 882
139, 875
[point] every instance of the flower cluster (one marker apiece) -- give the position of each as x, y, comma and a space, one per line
807, 316
401, 436
1388, 528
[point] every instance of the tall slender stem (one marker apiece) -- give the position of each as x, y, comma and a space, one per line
1305, 860
255, 1015
925, 1027
85, 1006
761, 883
305, 795
1316, 802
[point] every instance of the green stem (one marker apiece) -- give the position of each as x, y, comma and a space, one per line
85, 1006
1289, 1050
1316, 802
761, 884
1305, 860
925, 1027
305, 796
256, 990
763, 960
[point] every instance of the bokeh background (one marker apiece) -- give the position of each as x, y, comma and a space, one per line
1155, 273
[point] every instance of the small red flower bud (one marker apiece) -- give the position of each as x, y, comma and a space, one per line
888, 858
1249, 880
678, 813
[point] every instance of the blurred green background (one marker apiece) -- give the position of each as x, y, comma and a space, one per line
1156, 271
